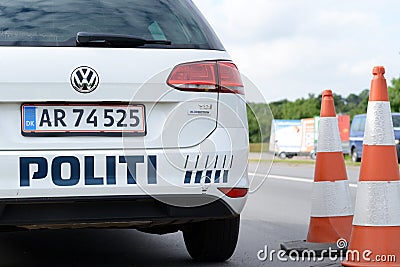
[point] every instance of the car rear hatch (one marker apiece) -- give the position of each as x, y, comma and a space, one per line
125, 50
136, 76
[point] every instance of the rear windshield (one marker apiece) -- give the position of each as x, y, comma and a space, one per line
56, 23
358, 124
396, 121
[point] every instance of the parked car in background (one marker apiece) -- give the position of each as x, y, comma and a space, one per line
357, 135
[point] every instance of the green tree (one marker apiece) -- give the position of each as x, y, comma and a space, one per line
302, 108
394, 95
277, 108
254, 126
260, 116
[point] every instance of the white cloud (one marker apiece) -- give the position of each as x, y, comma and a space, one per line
292, 48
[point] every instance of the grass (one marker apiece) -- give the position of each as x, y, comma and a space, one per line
257, 147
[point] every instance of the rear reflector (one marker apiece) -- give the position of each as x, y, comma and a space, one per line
234, 192
207, 76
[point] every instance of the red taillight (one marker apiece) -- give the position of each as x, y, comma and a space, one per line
234, 192
229, 78
207, 76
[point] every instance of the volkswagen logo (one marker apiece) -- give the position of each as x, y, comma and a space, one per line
84, 79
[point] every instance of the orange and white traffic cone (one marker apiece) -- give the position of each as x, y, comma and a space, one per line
375, 238
331, 208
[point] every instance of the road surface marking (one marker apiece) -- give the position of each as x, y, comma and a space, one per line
288, 178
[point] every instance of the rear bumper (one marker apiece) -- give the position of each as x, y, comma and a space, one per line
123, 188
122, 211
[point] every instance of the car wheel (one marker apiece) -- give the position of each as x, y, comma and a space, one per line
313, 155
282, 155
354, 155
213, 240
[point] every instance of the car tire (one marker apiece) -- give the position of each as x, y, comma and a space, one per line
354, 155
212, 241
282, 155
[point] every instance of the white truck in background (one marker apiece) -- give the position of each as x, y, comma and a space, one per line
291, 138
285, 139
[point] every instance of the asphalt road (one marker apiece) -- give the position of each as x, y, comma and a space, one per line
278, 211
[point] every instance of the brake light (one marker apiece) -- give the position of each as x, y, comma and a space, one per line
229, 77
234, 192
207, 76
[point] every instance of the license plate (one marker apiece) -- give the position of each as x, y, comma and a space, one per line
82, 119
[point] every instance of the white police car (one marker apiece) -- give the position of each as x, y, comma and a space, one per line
121, 113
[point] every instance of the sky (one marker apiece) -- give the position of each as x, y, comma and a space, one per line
291, 48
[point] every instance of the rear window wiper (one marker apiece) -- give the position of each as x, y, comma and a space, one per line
113, 40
